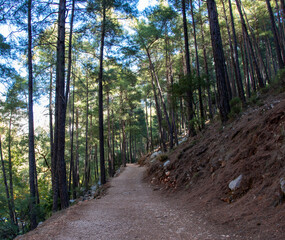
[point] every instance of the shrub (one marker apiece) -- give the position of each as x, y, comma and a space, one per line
162, 157
236, 107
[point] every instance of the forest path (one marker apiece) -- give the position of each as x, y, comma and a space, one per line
130, 210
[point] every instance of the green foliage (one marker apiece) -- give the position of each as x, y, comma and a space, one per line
254, 99
236, 107
162, 157
7, 230
278, 82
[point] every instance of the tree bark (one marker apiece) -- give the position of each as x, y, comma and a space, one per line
189, 93
11, 211
110, 165
86, 139
255, 64
69, 54
197, 67
72, 174
32, 169
236, 58
147, 128
59, 137
161, 98
219, 59
76, 167
100, 80
275, 35
123, 154
158, 113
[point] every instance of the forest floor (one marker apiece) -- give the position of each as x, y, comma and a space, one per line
131, 209
252, 147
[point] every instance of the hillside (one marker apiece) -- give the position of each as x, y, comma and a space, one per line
250, 148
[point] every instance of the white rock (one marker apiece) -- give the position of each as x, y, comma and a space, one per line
166, 163
182, 140
72, 201
235, 183
155, 154
282, 185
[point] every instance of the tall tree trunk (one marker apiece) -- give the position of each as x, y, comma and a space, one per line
147, 129
245, 69
32, 170
67, 91
271, 55
130, 145
76, 165
158, 113
11, 169
275, 35
280, 29
236, 58
150, 125
96, 160
161, 98
219, 58
255, 64
86, 139
69, 55
110, 166
72, 174
197, 67
54, 177
113, 143
11, 211
206, 70
123, 153
101, 114
191, 129
37, 185
59, 137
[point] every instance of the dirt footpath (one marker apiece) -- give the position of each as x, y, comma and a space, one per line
131, 210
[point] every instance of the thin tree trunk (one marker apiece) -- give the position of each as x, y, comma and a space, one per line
69, 55
197, 67
236, 58
11, 211
72, 172
96, 161
101, 114
54, 177
76, 167
86, 139
271, 55
36, 185
192, 131
123, 156
245, 69
275, 35
113, 145
255, 64
32, 169
11, 170
147, 129
150, 125
109, 137
158, 113
161, 98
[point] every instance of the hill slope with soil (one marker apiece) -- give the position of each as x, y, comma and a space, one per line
251, 147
